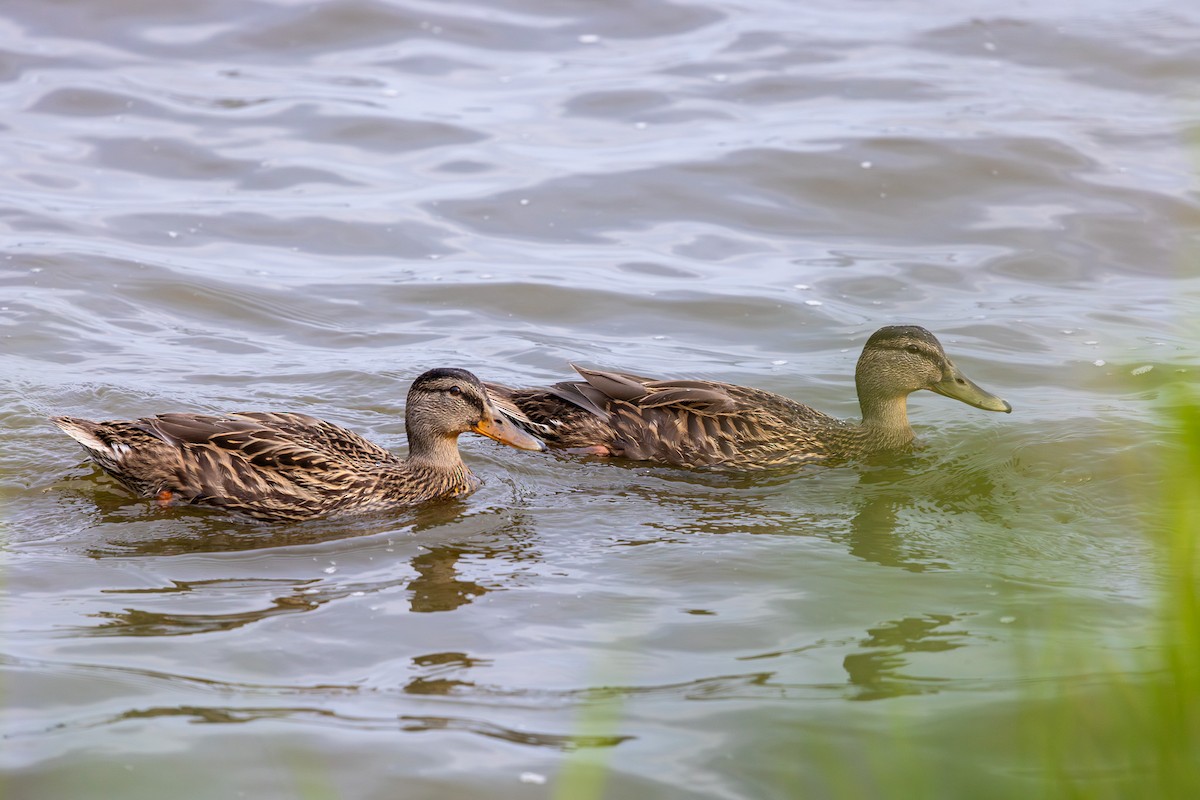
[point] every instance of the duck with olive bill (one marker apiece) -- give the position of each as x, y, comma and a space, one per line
700, 423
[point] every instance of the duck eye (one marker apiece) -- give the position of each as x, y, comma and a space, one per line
455, 390
912, 348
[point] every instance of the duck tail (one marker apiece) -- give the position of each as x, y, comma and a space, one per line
91, 435
83, 431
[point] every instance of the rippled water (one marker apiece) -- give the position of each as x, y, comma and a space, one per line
294, 205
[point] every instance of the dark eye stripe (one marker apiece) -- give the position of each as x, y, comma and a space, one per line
471, 398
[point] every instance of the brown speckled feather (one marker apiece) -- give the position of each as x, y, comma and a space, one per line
264, 465
287, 466
694, 423
686, 423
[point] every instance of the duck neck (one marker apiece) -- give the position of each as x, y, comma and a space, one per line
436, 463
435, 454
885, 421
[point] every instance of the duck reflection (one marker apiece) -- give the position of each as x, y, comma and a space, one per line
435, 671
438, 585
875, 669
876, 510
875, 672
185, 530
569, 742
699, 502
936, 488
874, 533
314, 714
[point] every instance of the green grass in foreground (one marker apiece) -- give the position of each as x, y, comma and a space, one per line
1136, 733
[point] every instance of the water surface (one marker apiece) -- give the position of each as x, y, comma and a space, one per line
282, 205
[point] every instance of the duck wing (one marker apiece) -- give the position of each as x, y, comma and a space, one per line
601, 388
254, 457
706, 424
265, 465
320, 434
682, 422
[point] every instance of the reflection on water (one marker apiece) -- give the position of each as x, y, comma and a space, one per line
569, 742
135, 622
181, 529
892, 496
878, 673
875, 532
881, 529
438, 586
433, 669
324, 717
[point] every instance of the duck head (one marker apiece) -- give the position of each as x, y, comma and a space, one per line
445, 402
901, 359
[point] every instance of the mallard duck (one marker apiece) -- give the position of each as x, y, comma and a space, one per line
287, 466
708, 424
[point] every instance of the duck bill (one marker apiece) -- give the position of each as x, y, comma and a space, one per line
960, 387
506, 432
